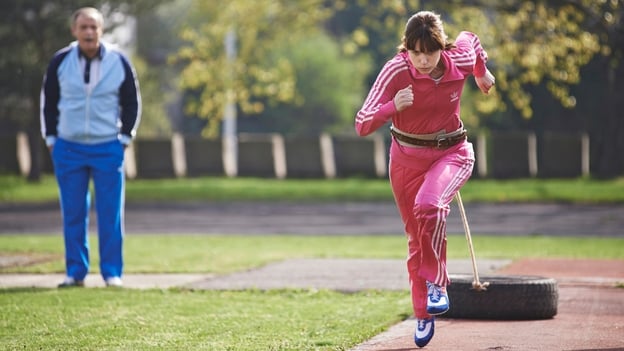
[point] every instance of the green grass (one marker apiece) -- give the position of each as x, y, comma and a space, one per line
124, 319
17, 190
180, 319
230, 253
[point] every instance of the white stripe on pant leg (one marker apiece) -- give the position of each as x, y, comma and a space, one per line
437, 245
438, 234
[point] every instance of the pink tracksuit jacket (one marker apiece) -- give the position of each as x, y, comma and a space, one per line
424, 180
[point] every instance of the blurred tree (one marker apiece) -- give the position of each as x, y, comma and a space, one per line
159, 32
328, 88
249, 80
602, 104
30, 32
154, 98
528, 42
547, 44
535, 47
537, 51
373, 27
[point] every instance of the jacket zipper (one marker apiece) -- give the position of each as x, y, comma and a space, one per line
87, 113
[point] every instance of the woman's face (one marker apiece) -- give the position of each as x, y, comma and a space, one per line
424, 62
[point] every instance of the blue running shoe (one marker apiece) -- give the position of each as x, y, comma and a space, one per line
424, 331
437, 301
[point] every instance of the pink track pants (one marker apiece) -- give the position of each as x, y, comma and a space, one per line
424, 182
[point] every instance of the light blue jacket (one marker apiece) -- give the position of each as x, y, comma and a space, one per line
111, 110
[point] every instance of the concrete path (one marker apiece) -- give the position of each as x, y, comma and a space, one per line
590, 315
346, 275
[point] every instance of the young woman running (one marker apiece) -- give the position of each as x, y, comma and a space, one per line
419, 92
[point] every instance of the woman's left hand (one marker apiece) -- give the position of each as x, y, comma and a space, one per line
486, 82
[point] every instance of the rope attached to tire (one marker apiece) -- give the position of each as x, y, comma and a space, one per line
506, 298
476, 284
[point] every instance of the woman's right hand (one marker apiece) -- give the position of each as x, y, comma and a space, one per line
486, 82
404, 98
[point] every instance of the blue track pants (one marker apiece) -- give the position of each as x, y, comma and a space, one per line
74, 166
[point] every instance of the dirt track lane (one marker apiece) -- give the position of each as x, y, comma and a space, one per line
329, 218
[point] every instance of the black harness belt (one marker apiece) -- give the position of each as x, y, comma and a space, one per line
439, 143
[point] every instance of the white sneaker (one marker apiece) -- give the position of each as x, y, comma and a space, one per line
114, 282
424, 331
437, 301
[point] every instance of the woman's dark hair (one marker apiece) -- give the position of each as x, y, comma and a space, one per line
424, 28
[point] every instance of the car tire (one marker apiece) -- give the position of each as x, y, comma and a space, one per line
505, 298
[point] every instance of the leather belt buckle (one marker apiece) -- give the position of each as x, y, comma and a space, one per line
441, 142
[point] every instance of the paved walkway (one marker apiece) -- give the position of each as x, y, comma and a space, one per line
590, 315
337, 274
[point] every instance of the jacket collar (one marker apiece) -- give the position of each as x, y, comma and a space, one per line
450, 73
101, 50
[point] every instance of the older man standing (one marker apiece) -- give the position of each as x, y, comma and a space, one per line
90, 109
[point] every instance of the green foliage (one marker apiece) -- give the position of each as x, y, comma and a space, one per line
243, 77
538, 43
30, 32
328, 88
529, 42
534, 47
157, 38
374, 28
154, 120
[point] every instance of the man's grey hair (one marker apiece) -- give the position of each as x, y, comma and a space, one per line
89, 12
